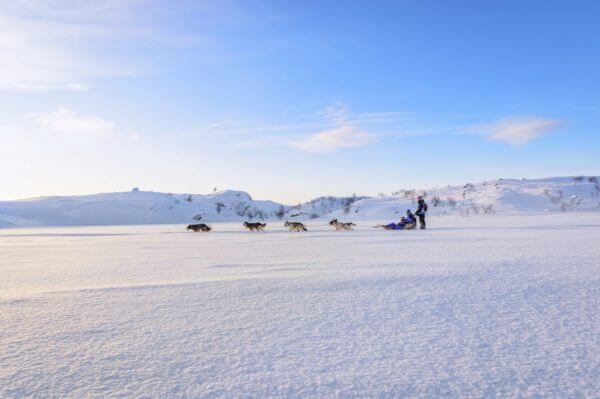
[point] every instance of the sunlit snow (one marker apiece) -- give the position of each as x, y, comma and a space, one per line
487, 306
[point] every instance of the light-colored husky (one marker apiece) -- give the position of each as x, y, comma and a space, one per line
341, 226
295, 226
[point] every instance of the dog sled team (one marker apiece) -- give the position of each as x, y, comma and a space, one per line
408, 222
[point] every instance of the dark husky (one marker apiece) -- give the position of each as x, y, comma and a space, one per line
255, 226
295, 226
199, 227
341, 226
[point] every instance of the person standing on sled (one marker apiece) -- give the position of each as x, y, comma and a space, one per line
421, 211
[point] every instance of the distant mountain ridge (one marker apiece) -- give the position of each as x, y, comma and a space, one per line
147, 207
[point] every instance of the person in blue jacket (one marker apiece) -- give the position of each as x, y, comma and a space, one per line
395, 226
410, 217
406, 223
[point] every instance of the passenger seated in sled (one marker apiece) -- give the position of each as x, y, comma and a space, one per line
411, 220
406, 223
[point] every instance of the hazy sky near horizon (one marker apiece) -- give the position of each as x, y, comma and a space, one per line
296, 99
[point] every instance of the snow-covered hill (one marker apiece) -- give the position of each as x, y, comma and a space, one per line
135, 207
144, 207
564, 194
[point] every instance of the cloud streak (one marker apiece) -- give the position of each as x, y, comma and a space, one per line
334, 139
44, 40
520, 131
50, 43
343, 134
66, 121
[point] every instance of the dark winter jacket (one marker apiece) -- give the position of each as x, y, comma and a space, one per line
422, 209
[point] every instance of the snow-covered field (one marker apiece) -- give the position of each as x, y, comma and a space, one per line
487, 306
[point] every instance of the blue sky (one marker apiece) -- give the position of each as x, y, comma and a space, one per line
291, 100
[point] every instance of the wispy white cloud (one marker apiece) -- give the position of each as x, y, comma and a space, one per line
76, 87
43, 41
344, 133
339, 114
328, 129
331, 140
519, 131
336, 113
52, 44
66, 121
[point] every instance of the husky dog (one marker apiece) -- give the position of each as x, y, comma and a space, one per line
255, 226
341, 226
295, 226
199, 227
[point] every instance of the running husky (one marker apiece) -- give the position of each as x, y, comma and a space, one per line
339, 226
295, 226
255, 226
199, 227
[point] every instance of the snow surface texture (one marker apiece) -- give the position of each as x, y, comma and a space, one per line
138, 207
498, 306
